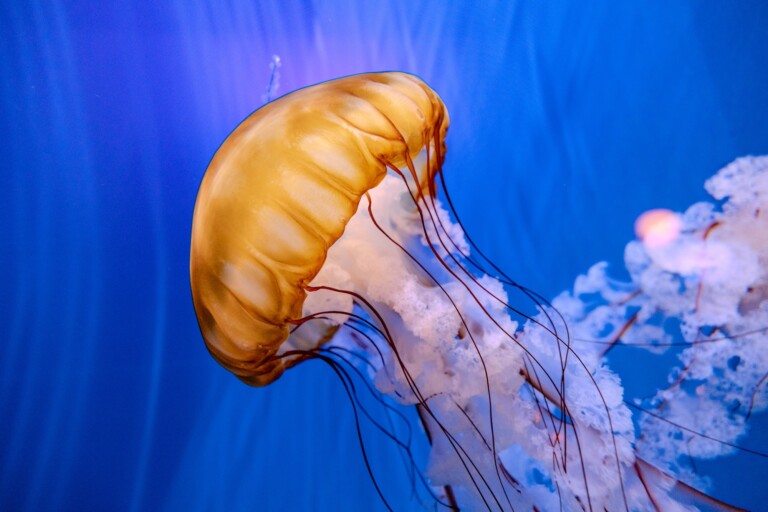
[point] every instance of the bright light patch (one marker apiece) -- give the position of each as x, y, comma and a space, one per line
657, 228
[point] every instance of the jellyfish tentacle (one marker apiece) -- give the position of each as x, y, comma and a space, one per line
462, 453
419, 264
563, 360
561, 394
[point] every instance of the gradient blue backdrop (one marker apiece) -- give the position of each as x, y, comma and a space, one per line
568, 120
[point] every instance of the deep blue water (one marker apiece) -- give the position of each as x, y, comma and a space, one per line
568, 121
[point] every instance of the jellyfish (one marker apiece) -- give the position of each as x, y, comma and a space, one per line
320, 232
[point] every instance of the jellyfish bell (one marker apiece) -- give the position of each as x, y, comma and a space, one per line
278, 194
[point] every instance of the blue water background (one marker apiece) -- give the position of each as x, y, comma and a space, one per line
568, 120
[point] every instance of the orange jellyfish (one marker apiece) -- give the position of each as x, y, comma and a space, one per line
318, 225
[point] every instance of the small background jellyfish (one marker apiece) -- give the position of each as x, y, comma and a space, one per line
568, 122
